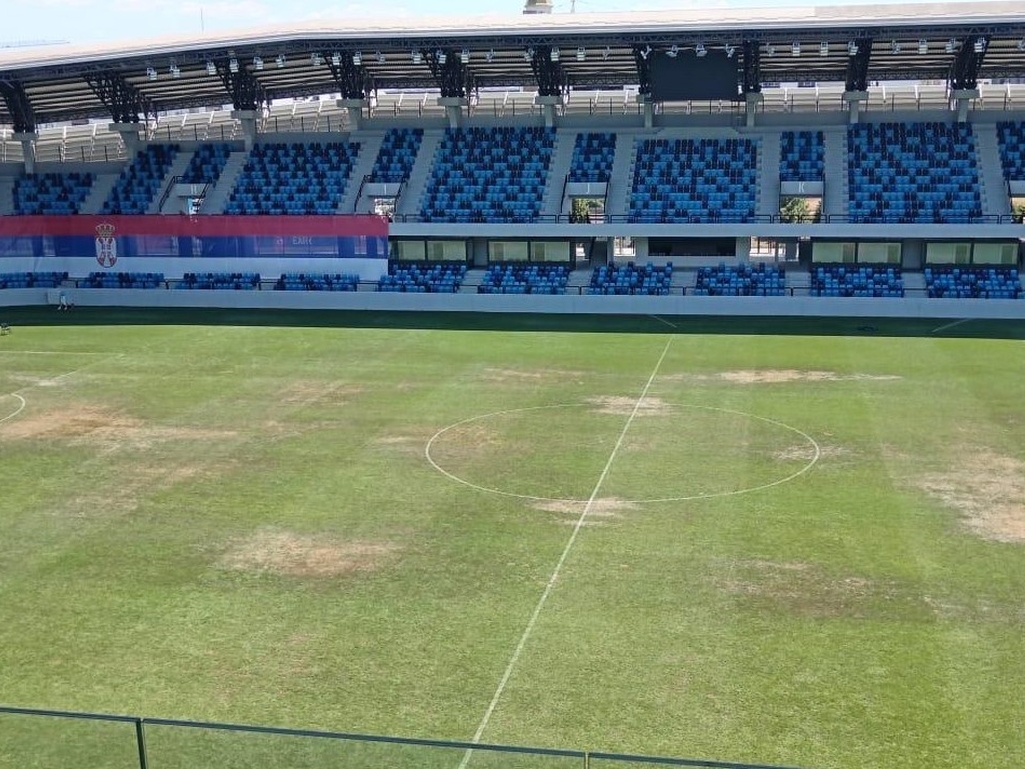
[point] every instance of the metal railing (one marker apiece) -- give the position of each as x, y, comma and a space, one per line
712, 218
107, 741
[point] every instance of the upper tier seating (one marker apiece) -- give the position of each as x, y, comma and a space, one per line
293, 179
207, 164
51, 193
973, 282
802, 156
299, 281
741, 280
593, 154
439, 278
856, 280
237, 281
629, 278
1011, 139
140, 182
913, 172
694, 180
489, 175
32, 279
524, 279
123, 280
395, 159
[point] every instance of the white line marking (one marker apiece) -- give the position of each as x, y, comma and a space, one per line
816, 455
18, 411
663, 320
51, 352
562, 560
945, 326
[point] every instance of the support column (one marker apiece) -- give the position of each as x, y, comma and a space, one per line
854, 101
247, 117
130, 135
647, 109
962, 101
751, 103
548, 105
454, 106
355, 108
28, 148
743, 249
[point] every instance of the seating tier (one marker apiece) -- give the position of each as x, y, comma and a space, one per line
32, 279
524, 279
123, 280
1011, 140
442, 278
207, 164
395, 159
593, 155
802, 156
856, 280
630, 279
140, 182
973, 283
300, 281
741, 280
237, 281
51, 193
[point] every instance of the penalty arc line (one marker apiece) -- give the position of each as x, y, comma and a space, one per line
529, 629
19, 409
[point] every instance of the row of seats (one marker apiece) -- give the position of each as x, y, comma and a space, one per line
284, 179
856, 280
1011, 141
207, 164
238, 281
913, 172
32, 279
438, 278
123, 280
631, 279
741, 280
493, 175
395, 159
36, 194
975, 283
300, 281
694, 180
141, 181
524, 279
802, 156
593, 155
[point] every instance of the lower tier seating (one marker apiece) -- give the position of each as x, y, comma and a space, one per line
300, 281
32, 279
973, 283
416, 279
741, 280
629, 278
524, 279
237, 281
856, 280
123, 280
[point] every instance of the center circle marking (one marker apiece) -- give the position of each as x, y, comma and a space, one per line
816, 454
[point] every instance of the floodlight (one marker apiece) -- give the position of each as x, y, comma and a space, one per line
151, 73
852, 48
700, 50
257, 63
233, 65
730, 50
823, 48
795, 49
949, 47
923, 46
441, 56
464, 56
316, 59
894, 46
980, 45
673, 51
554, 55
175, 72
581, 53
357, 58
1021, 44
770, 50
490, 55
380, 57
606, 53
280, 61
211, 68
416, 57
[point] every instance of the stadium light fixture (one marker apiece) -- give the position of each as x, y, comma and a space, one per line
280, 61
646, 52
852, 48
381, 59
257, 63
528, 54
730, 50
949, 47
700, 50
441, 56
581, 53
606, 53
175, 72
980, 45
823, 48
211, 68
923, 46
316, 59
151, 73
1021, 44
673, 52
357, 59
770, 50
233, 65
464, 56
894, 46
416, 57
490, 55
554, 55
795, 49
336, 59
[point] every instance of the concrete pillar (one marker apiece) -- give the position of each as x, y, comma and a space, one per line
962, 101
355, 108
454, 107
854, 101
131, 135
28, 149
647, 109
247, 117
751, 103
548, 105
743, 249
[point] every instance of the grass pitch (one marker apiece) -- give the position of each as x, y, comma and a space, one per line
796, 549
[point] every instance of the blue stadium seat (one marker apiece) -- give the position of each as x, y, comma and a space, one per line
520, 278
36, 194
949, 282
593, 155
233, 281
630, 279
741, 280
32, 279
879, 280
424, 278
398, 152
300, 281
802, 156
139, 183
123, 280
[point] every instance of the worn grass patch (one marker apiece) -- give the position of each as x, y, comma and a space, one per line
290, 554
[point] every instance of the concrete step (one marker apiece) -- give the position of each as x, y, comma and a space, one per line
102, 185
413, 195
171, 205
562, 156
835, 192
369, 145
217, 195
992, 187
621, 178
768, 173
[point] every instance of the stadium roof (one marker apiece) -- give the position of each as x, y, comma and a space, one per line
911, 41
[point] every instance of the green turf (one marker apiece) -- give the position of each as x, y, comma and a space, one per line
230, 516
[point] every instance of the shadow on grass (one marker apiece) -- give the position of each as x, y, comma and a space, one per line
471, 321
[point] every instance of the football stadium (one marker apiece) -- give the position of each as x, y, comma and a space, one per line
536, 390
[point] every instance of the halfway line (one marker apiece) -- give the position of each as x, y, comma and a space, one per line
562, 560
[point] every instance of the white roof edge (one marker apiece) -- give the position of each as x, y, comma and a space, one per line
683, 21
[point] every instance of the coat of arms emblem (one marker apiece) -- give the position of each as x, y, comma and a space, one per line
106, 245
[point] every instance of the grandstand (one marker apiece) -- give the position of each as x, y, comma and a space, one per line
852, 162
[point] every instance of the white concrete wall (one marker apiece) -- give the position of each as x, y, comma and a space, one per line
598, 305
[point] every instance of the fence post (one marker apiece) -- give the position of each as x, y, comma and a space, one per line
140, 740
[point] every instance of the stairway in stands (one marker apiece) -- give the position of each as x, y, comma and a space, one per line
413, 195
369, 145
217, 195
992, 187
562, 156
835, 194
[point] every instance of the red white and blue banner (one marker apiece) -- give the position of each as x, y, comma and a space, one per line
112, 238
